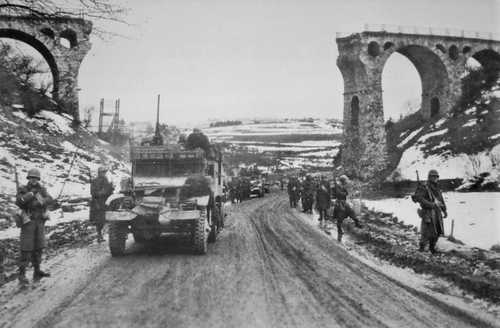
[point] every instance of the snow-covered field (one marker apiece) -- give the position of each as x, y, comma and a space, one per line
277, 128
475, 215
308, 150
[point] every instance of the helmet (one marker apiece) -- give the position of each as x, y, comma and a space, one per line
343, 178
33, 173
433, 173
102, 169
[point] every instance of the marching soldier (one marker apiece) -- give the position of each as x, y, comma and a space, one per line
342, 209
100, 190
293, 191
33, 199
323, 199
432, 211
307, 195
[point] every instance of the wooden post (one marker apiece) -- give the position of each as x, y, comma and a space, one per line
452, 228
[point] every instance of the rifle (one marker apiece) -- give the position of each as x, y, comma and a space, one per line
20, 216
418, 185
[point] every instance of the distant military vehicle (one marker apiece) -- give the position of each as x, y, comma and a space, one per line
171, 191
257, 187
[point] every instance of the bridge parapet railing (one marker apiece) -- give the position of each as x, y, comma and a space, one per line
424, 30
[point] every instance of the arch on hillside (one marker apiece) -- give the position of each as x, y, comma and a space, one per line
432, 72
41, 48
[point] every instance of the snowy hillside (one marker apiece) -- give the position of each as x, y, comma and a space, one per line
459, 146
299, 144
64, 156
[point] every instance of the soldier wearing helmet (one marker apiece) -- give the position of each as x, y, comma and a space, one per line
342, 209
100, 190
323, 199
33, 199
432, 211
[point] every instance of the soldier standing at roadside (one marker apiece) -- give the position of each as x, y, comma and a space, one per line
308, 195
293, 191
432, 211
323, 199
342, 209
33, 199
100, 189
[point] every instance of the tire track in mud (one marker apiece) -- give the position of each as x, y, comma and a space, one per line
268, 268
382, 303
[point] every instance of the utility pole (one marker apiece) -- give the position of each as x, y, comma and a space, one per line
101, 117
158, 139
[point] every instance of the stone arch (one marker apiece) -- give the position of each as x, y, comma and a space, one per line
433, 74
488, 58
70, 36
42, 49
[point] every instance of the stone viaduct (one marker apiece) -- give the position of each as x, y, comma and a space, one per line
440, 61
62, 41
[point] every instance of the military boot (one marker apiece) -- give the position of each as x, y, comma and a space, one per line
23, 281
39, 274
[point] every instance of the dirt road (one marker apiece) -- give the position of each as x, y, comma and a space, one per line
268, 268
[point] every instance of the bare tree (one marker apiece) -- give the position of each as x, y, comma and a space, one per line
98, 11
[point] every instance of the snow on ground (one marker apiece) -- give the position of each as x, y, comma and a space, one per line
322, 153
470, 122
475, 215
261, 149
424, 138
306, 150
65, 166
278, 128
409, 137
56, 217
448, 166
431, 285
438, 124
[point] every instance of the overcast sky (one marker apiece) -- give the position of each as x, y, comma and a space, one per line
230, 59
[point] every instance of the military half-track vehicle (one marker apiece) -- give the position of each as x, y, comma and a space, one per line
171, 191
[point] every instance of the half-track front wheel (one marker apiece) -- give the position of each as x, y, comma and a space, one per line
117, 238
200, 236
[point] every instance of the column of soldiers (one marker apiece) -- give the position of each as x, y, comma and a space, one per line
239, 190
34, 201
324, 196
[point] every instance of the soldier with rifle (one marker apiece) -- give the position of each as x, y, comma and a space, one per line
33, 200
432, 211
342, 209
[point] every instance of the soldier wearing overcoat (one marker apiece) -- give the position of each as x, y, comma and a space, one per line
33, 199
432, 211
